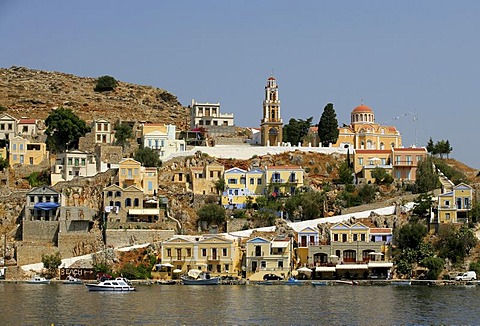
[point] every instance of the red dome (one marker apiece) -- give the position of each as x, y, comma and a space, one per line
271, 78
362, 109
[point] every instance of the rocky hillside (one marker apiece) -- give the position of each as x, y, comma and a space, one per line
34, 93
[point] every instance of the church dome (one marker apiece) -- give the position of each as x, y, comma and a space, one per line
362, 109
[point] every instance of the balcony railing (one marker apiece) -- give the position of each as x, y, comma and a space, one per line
403, 163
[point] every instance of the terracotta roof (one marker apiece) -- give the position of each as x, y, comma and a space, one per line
372, 151
392, 128
362, 108
381, 230
27, 121
411, 149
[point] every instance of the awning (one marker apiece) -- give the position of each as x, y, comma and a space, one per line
164, 265
380, 264
352, 266
144, 211
46, 206
280, 244
177, 271
325, 269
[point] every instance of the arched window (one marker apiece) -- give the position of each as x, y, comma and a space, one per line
369, 144
382, 146
392, 144
136, 202
128, 202
118, 204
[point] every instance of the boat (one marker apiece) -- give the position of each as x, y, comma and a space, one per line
403, 283
72, 280
292, 281
347, 282
319, 283
117, 285
197, 277
38, 280
264, 283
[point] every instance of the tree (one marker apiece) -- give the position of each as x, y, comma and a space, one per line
211, 214
51, 262
64, 129
306, 205
435, 267
220, 184
455, 244
410, 235
345, 173
423, 206
426, 179
328, 126
431, 146
381, 176
123, 132
447, 148
3, 164
296, 130
148, 157
105, 83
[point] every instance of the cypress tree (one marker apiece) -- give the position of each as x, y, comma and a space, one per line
328, 126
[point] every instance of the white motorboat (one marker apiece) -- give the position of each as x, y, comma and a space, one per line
117, 285
72, 280
38, 280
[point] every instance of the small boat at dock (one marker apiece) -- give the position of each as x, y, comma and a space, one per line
401, 283
38, 280
117, 285
72, 280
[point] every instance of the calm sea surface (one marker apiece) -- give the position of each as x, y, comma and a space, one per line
59, 304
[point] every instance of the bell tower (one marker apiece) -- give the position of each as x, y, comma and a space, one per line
271, 125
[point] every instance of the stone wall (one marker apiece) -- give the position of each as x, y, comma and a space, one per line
31, 252
73, 244
130, 237
44, 231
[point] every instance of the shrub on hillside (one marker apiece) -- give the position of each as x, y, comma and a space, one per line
105, 83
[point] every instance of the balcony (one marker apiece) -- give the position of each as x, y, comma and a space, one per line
403, 163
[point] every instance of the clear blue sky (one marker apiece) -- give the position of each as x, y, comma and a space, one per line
401, 57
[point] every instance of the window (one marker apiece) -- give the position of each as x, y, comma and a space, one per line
21, 147
118, 204
124, 172
150, 185
189, 252
243, 180
355, 237
128, 202
129, 173
118, 194
344, 238
409, 159
136, 202
384, 161
280, 264
419, 158
360, 160
335, 237
263, 264
362, 237
397, 159
14, 147
447, 203
232, 181
169, 252
224, 252
109, 194
252, 181
70, 161
84, 161
204, 252
77, 161
259, 181
447, 216
227, 267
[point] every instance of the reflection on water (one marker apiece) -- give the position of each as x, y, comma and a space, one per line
28, 304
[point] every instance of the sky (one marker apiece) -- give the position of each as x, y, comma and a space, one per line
415, 63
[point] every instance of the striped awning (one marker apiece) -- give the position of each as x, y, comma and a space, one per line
325, 269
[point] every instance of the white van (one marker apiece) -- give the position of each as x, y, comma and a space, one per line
468, 276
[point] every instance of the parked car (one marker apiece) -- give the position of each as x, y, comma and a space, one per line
271, 277
467, 276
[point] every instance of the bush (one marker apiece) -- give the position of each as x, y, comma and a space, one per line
435, 267
51, 262
105, 83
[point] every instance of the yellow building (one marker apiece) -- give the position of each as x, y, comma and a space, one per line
401, 163
204, 178
364, 133
241, 186
129, 173
149, 180
263, 257
23, 152
454, 206
283, 180
216, 254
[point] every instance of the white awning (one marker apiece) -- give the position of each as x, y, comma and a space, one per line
352, 266
280, 244
325, 269
374, 264
144, 211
